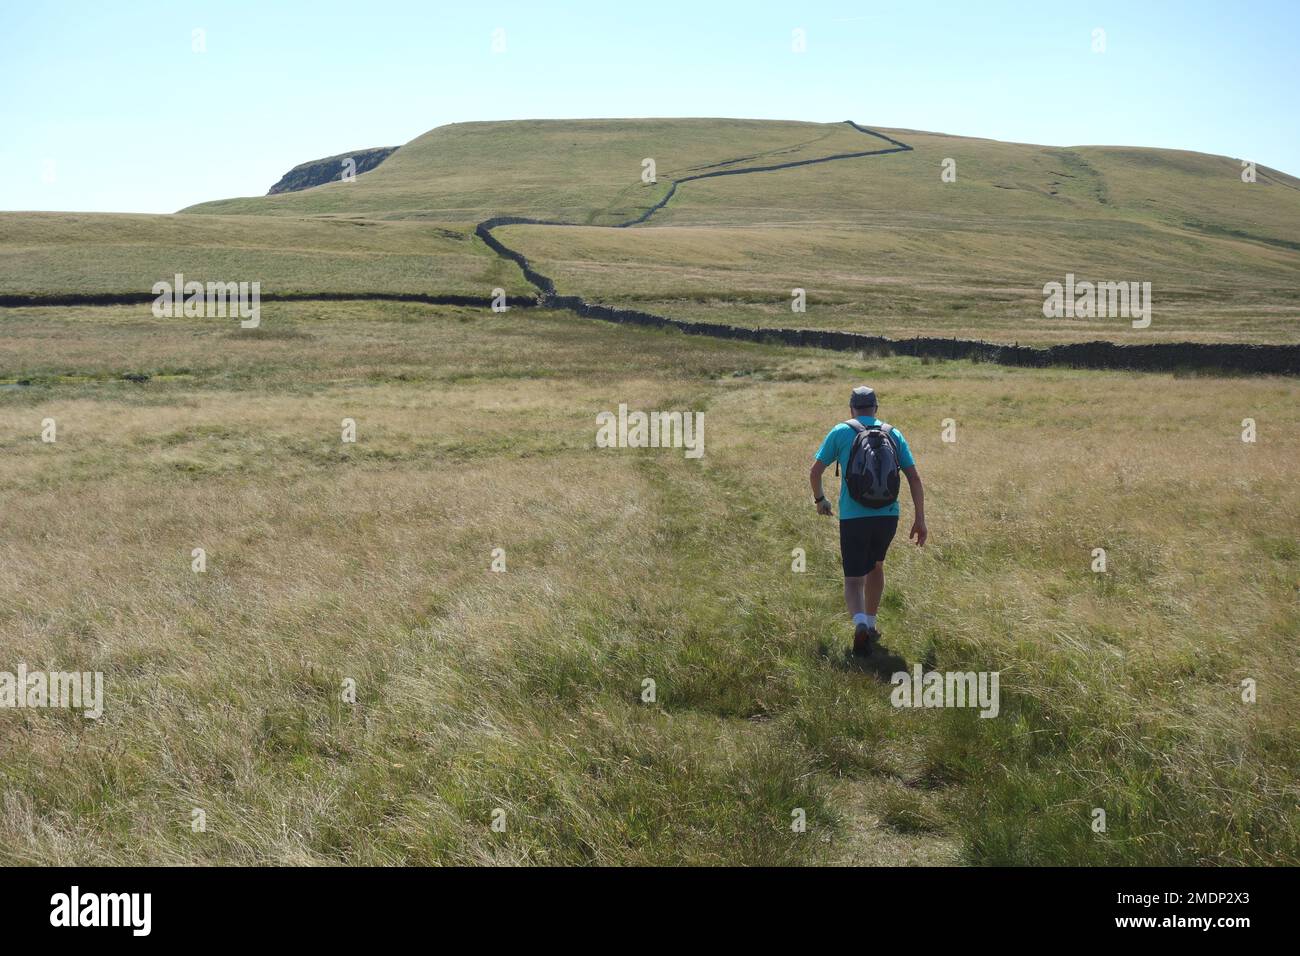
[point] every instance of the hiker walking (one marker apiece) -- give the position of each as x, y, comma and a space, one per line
870, 455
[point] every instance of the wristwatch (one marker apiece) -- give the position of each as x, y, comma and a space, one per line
819, 500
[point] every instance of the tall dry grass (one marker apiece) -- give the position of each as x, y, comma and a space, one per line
522, 691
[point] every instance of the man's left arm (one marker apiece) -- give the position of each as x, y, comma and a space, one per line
819, 496
908, 465
919, 531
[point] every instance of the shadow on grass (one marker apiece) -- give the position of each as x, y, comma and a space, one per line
882, 663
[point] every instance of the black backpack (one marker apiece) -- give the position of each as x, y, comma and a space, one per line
872, 472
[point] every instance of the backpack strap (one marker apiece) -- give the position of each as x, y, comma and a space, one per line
858, 427
888, 429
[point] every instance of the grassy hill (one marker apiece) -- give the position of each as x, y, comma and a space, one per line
571, 170
881, 244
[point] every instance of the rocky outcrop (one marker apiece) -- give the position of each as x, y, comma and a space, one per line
329, 170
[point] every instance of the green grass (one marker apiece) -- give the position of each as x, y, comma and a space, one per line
89, 253
883, 246
523, 691
571, 170
960, 284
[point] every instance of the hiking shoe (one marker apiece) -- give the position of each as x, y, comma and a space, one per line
862, 636
865, 640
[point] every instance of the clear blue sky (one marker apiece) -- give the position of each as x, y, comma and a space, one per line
104, 105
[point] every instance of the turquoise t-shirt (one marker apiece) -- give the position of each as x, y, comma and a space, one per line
836, 446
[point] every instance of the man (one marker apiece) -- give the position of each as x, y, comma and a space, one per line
865, 532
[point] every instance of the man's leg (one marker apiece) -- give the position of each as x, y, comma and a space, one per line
855, 596
875, 587
854, 551
881, 533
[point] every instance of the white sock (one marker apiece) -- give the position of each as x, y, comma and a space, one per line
870, 620
864, 619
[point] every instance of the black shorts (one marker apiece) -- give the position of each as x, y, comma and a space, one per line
864, 541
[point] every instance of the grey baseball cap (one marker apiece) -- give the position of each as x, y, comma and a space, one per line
864, 396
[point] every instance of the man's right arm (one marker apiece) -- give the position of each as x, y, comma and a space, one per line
827, 453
